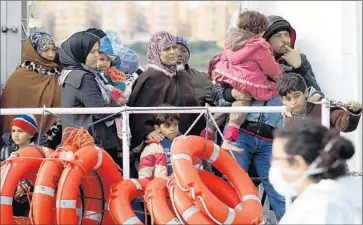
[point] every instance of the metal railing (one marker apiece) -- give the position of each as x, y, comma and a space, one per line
126, 111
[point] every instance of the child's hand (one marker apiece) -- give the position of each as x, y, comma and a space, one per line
227, 145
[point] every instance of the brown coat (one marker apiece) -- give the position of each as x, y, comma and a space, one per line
26, 88
340, 118
154, 87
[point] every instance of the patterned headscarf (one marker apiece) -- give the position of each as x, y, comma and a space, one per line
158, 43
40, 40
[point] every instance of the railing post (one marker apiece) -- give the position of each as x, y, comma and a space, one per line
125, 145
325, 113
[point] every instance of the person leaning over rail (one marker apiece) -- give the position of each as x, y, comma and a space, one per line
309, 162
82, 86
301, 102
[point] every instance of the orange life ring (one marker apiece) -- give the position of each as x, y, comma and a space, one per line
121, 195
220, 188
23, 163
42, 208
183, 149
190, 212
85, 159
187, 210
92, 199
157, 203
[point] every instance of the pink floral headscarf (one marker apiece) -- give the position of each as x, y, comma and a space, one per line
158, 43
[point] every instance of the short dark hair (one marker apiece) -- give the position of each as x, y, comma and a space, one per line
291, 82
308, 138
253, 21
165, 118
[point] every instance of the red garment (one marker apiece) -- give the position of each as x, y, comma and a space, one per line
153, 162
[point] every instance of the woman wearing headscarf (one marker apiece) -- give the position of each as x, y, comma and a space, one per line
161, 83
34, 84
83, 86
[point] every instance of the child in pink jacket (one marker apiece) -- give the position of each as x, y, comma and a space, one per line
248, 65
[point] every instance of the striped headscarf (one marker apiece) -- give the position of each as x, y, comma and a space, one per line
40, 40
158, 43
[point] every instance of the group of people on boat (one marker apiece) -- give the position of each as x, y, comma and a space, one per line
294, 156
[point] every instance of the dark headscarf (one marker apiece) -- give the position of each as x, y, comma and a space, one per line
98, 32
74, 50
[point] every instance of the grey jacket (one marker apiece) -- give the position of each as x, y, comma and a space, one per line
80, 89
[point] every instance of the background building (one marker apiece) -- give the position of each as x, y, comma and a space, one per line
135, 21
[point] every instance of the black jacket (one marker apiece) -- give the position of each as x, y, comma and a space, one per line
8, 146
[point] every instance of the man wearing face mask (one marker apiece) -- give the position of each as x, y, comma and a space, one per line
309, 162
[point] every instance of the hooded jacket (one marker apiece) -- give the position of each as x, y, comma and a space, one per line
248, 65
328, 202
277, 24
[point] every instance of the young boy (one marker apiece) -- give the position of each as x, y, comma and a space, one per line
155, 159
24, 131
300, 101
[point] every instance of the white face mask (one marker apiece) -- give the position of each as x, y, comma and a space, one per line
291, 189
280, 185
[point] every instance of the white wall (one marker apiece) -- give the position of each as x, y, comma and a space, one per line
330, 34
10, 42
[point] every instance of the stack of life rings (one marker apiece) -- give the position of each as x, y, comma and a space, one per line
79, 183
